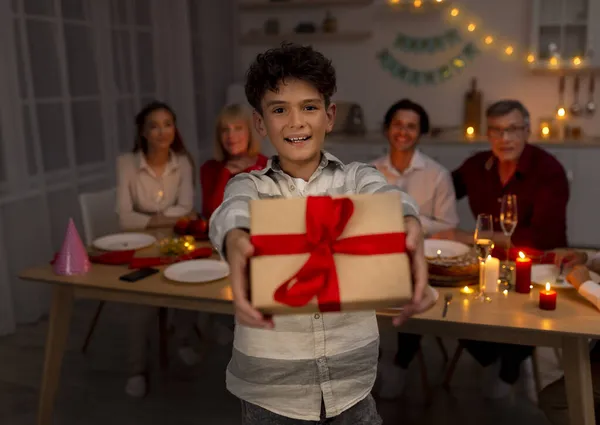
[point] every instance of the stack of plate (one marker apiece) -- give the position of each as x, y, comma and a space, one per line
451, 263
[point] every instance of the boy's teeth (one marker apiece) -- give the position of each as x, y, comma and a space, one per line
297, 139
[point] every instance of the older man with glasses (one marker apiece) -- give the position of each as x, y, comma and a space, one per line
513, 166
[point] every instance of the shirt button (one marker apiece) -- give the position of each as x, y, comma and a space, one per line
317, 316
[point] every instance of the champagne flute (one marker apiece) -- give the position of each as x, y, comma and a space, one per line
508, 219
484, 232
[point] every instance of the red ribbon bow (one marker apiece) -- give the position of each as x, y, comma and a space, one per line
326, 218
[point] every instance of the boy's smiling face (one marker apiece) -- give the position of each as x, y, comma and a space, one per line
296, 121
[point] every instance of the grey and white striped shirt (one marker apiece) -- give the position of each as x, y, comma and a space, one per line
306, 359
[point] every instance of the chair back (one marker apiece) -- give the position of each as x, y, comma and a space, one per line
98, 210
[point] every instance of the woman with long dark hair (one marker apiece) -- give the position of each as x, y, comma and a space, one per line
155, 187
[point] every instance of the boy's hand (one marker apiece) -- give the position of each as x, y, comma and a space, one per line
421, 301
239, 250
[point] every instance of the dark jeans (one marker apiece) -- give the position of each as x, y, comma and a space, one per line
408, 345
511, 356
362, 413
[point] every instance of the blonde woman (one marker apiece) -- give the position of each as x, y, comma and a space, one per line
237, 150
155, 187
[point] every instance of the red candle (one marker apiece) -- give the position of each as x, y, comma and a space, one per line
548, 298
523, 274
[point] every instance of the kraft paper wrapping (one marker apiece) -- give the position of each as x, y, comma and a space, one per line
366, 282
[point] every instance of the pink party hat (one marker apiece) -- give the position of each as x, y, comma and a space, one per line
72, 258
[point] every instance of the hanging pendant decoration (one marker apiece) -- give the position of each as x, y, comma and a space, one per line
417, 77
439, 43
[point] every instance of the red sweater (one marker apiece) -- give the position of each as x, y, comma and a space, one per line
213, 179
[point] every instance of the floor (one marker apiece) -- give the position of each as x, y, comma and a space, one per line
91, 391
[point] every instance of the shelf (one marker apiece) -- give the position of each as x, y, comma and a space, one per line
298, 4
337, 37
542, 68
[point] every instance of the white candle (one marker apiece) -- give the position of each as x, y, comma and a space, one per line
491, 274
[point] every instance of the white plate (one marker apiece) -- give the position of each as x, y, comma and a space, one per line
124, 241
448, 248
197, 271
542, 273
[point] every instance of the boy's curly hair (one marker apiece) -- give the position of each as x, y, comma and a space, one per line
289, 61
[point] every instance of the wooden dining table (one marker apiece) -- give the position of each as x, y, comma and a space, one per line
509, 318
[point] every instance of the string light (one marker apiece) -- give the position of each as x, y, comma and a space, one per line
508, 49
561, 112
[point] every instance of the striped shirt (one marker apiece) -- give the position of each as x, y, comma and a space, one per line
307, 359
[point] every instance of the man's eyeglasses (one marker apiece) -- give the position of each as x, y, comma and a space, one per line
511, 132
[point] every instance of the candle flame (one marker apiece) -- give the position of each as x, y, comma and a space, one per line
489, 257
547, 286
521, 255
505, 292
439, 251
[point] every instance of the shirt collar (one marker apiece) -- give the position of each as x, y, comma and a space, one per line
417, 162
327, 159
523, 165
173, 163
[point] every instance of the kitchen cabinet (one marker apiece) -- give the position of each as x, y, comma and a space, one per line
567, 29
581, 164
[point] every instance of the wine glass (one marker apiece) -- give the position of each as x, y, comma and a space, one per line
484, 232
508, 219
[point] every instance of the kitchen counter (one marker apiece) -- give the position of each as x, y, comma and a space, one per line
378, 139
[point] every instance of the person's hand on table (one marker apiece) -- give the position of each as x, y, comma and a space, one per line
578, 276
239, 249
569, 258
457, 235
422, 298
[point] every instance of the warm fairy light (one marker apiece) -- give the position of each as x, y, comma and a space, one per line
530, 58
545, 130
439, 252
521, 255
454, 12
470, 131
561, 112
554, 61
471, 27
505, 292
509, 50
439, 1
394, 1
576, 61
417, 3
489, 39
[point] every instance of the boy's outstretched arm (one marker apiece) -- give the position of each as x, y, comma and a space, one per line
228, 232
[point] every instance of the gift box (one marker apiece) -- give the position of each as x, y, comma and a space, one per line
324, 253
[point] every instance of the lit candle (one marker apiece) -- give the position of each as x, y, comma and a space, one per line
439, 253
466, 290
491, 274
548, 298
523, 274
470, 132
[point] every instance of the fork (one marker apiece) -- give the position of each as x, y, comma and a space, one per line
447, 299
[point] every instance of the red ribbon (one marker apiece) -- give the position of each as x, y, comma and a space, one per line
326, 219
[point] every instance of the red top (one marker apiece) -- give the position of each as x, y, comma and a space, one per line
542, 190
214, 177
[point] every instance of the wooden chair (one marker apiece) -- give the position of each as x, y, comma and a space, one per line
100, 218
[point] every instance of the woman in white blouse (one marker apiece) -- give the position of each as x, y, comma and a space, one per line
155, 187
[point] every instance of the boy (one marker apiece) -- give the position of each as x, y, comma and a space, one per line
302, 369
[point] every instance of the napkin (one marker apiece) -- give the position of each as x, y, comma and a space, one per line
138, 263
113, 257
